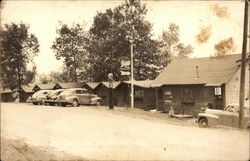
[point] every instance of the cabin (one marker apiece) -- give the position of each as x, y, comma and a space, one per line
91, 86
7, 95
68, 85
188, 83
144, 94
103, 91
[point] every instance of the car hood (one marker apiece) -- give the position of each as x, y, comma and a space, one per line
213, 112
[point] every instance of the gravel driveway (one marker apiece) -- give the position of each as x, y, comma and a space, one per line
97, 133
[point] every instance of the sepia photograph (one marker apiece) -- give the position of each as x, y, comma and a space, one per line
124, 80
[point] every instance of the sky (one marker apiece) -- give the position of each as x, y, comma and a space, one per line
220, 19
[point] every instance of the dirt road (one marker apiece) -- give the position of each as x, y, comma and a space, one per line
97, 133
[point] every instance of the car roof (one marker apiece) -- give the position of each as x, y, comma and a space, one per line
77, 89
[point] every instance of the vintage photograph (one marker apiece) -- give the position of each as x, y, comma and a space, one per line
124, 80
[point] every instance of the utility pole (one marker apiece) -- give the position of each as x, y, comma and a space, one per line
243, 67
132, 74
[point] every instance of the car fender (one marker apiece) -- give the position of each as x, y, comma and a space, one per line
71, 98
95, 99
212, 119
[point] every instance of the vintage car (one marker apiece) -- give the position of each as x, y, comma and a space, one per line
39, 97
51, 98
228, 117
77, 96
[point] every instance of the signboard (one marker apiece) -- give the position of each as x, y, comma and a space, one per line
125, 73
167, 93
125, 63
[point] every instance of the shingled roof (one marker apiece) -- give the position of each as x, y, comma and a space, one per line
212, 71
115, 84
71, 85
93, 85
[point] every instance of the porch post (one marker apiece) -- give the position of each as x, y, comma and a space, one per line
156, 98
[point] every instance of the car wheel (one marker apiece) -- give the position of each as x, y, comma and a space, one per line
35, 103
98, 103
51, 104
75, 103
203, 122
42, 102
63, 104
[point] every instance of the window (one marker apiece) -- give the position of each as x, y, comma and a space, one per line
78, 91
83, 91
217, 91
139, 93
187, 93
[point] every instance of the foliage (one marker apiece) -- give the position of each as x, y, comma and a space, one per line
18, 47
171, 45
59, 76
109, 43
70, 45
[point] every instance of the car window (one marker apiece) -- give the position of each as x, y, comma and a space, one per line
78, 91
83, 91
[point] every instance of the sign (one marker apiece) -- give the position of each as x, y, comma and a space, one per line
125, 63
125, 73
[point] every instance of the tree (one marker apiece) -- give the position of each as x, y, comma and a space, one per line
61, 76
18, 47
43, 79
70, 45
171, 45
109, 43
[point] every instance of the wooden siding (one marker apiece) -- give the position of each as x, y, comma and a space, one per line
144, 98
189, 98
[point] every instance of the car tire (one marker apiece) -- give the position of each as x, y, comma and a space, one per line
35, 103
51, 104
63, 104
203, 122
75, 103
98, 103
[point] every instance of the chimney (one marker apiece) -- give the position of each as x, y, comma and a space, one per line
197, 72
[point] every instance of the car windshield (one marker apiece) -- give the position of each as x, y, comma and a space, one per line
38, 93
55, 92
67, 91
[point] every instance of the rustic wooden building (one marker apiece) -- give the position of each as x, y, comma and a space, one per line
68, 85
144, 94
91, 86
188, 83
6, 95
26, 92
102, 90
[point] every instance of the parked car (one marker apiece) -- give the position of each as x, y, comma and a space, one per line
39, 97
228, 117
77, 96
52, 98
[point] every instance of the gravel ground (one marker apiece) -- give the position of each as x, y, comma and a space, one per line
98, 133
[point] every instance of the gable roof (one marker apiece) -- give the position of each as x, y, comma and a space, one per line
144, 83
71, 85
28, 88
93, 85
6, 90
115, 84
212, 71
46, 86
